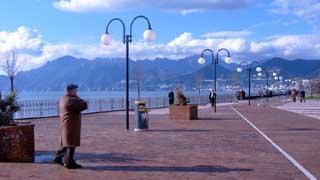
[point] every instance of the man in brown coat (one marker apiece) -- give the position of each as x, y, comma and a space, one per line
70, 118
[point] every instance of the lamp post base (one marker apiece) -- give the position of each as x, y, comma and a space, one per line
140, 130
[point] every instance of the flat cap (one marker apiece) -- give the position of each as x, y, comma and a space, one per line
71, 87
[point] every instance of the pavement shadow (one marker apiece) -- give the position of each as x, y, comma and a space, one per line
199, 169
48, 156
302, 129
108, 157
179, 130
215, 119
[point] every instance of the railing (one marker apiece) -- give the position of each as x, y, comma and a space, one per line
48, 108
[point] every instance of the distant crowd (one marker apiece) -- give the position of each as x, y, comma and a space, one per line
294, 94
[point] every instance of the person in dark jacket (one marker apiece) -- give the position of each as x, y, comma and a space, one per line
70, 118
171, 98
302, 96
212, 98
294, 95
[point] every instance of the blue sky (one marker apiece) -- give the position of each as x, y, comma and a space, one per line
42, 30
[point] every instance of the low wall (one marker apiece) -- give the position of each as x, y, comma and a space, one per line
17, 143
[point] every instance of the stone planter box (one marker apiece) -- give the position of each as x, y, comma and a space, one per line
17, 143
189, 112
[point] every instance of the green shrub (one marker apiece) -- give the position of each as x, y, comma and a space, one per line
8, 107
181, 99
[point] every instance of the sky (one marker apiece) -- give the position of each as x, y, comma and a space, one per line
43, 30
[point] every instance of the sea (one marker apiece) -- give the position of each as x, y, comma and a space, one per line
55, 95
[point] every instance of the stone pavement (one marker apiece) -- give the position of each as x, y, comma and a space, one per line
310, 108
219, 145
164, 111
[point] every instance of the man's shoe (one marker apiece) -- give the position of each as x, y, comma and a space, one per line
73, 166
58, 161
78, 166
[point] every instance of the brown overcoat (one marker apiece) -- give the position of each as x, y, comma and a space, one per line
70, 118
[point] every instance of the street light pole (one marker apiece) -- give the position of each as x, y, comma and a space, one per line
127, 80
106, 39
267, 86
278, 77
249, 69
215, 62
267, 72
215, 71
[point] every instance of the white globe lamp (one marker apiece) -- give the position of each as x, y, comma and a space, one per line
228, 60
201, 60
258, 69
149, 35
106, 39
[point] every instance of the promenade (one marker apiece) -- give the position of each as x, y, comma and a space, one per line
309, 108
237, 142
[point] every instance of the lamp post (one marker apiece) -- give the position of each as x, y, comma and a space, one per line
267, 72
106, 39
202, 60
249, 68
267, 78
278, 78
289, 84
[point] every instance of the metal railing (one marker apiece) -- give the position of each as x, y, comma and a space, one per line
48, 108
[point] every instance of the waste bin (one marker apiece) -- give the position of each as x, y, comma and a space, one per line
142, 117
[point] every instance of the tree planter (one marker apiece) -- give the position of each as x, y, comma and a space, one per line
189, 112
17, 143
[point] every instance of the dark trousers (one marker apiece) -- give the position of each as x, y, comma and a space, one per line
171, 101
212, 102
67, 153
294, 99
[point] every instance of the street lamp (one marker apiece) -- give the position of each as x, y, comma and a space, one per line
202, 60
267, 72
287, 83
249, 68
148, 35
267, 78
278, 78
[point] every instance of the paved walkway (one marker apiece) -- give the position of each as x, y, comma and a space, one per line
310, 108
220, 145
163, 111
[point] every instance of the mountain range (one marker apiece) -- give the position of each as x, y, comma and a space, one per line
109, 73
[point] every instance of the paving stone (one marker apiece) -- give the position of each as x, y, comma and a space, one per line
217, 146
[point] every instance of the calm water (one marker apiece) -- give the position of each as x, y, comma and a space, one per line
55, 95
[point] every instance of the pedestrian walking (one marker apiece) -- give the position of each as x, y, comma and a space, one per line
243, 94
302, 95
212, 97
71, 106
171, 98
294, 95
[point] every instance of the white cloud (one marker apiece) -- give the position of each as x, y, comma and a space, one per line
33, 52
26, 42
291, 46
22, 39
227, 34
309, 10
184, 7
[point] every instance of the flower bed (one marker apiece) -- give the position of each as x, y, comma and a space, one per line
188, 112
